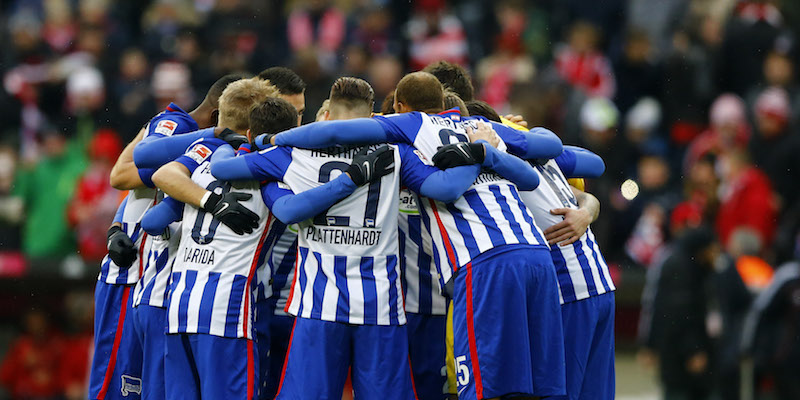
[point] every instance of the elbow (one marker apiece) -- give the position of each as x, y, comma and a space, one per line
528, 184
160, 176
151, 227
544, 144
219, 170
553, 146
139, 155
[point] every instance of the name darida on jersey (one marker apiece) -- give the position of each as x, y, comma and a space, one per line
198, 256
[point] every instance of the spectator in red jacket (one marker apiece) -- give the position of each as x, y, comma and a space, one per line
746, 199
30, 369
582, 65
95, 201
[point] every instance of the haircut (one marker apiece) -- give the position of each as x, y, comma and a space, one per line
239, 98
351, 97
326, 106
286, 80
387, 107
273, 115
215, 91
421, 91
453, 77
451, 100
483, 109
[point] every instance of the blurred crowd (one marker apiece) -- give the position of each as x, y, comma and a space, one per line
693, 105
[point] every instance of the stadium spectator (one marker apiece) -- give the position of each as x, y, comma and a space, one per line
95, 201
580, 62
30, 369
435, 34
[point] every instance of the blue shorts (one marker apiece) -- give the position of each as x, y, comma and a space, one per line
150, 324
117, 362
261, 324
427, 351
280, 331
205, 366
589, 347
321, 353
507, 329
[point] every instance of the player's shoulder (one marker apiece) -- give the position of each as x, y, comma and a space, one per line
201, 149
173, 120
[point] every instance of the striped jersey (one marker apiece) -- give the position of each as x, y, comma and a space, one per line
347, 263
489, 214
214, 274
172, 121
422, 286
581, 269
281, 247
151, 290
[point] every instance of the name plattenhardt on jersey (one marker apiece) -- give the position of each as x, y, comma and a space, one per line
343, 235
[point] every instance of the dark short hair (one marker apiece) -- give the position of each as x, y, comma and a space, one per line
387, 107
421, 91
286, 80
451, 100
453, 77
215, 91
273, 115
352, 92
483, 109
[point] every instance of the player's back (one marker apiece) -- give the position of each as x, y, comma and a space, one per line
347, 257
489, 214
212, 277
582, 271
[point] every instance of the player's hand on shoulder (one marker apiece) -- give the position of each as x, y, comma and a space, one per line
232, 138
263, 141
121, 249
369, 166
484, 131
227, 208
459, 154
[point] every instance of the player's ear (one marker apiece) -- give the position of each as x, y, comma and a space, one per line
249, 136
326, 116
214, 117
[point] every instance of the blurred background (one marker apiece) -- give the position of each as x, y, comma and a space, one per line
693, 104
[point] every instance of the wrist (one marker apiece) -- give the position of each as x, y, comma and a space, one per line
209, 200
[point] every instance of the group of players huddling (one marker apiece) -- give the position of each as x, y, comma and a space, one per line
257, 258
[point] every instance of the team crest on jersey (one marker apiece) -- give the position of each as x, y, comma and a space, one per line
199, 153
130, 385
166, 127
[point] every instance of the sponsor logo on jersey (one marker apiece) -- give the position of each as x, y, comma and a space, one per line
199, 153
166, 127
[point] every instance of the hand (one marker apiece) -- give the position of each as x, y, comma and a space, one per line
458, 154
517, 119
484, 132
697, 363
371, 166
120, 247
263, 141
227, 209
232, 138
568, 231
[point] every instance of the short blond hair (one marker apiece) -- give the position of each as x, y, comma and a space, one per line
239, 98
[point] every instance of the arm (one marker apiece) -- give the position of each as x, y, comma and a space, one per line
154, 151
577, 162
330, 133
124, 174
576, 221
534, 144
175, 180
291, 208
227, 167
511, 168
265, 165
448, 185
157, 218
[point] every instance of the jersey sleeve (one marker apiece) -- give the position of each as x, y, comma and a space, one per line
400, 128
413, 170
158, 217
269, 164
273, 191
566, 162
198, 153
577, 162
